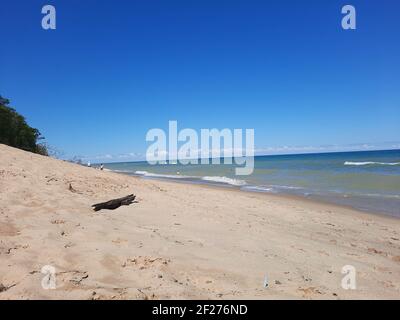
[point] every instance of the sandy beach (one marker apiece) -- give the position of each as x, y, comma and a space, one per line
180, 241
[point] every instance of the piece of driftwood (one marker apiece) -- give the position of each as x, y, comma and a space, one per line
115, 203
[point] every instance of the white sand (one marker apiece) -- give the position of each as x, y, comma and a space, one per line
179, 240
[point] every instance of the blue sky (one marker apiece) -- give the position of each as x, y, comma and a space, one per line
112, 70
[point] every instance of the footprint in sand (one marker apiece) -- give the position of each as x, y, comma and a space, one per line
119, 241
69, 245
74, 277
57, 221
145, 262
375, 251
8, 230
310, 291
396, 258
9, 250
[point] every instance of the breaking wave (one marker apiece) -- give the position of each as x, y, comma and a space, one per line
370, 163
158, 175
233, 182
217, 179
257, 189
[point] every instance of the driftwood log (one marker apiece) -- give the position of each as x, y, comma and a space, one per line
115, 203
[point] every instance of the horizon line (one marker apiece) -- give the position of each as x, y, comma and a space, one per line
255, 156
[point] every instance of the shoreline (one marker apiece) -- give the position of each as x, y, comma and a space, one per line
281, 195
180, 241
365, 186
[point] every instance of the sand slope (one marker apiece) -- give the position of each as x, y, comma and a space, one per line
180, 241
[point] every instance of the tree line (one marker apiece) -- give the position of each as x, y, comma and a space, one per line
15, 131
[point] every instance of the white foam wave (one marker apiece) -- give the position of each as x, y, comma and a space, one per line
233, 182
225, 180
257, 189
142, 173
119, 171
350, 163
285, 187
157, 175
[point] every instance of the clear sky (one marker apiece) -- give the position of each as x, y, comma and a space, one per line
112, 70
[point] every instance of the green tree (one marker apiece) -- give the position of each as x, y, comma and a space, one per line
15, 132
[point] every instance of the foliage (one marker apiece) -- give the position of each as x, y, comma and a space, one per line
15, 132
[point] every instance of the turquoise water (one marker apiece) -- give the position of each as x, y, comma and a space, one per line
367, 180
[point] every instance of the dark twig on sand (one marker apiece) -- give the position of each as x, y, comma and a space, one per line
115, 203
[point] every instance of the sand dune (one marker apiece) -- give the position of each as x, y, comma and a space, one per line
180, 241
